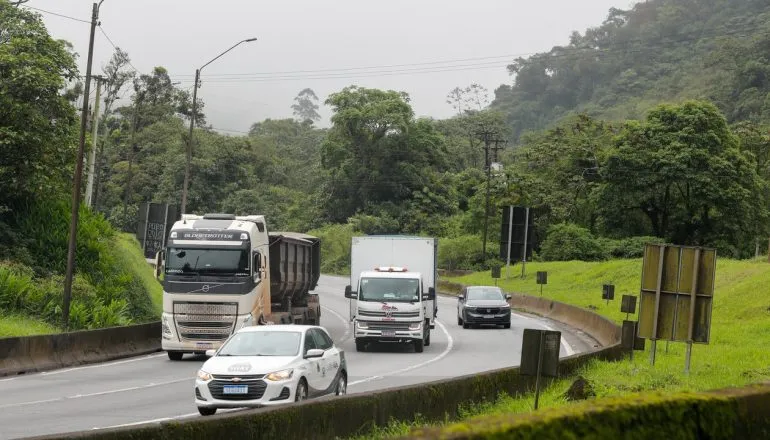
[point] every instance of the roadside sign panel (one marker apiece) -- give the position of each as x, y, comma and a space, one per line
677, 293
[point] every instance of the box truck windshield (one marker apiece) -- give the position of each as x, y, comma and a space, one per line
197, 261
390, 289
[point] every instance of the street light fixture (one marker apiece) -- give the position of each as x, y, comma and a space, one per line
188, 158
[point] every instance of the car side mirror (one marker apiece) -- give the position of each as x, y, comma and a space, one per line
314, 353
507, 297
211, 353
460, 298
349, 293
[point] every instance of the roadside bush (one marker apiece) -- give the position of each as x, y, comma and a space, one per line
465, 252
632, 247
567, 241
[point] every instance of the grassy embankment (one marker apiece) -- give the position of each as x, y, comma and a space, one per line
736, 355
23, 292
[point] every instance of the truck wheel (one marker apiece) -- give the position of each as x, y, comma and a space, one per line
427, 339
175, 355
418, 346
360, 345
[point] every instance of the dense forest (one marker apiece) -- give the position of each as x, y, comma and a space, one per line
650, 126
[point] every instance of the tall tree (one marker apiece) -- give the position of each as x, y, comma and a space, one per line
683, 169
305, 107
38, 126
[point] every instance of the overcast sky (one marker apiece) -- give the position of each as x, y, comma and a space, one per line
422, 47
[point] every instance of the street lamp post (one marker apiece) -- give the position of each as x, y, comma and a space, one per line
188, 155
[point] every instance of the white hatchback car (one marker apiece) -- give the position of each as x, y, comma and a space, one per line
270, 365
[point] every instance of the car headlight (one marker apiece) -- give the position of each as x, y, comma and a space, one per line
415, 325
362, 324
204, 375
280, 375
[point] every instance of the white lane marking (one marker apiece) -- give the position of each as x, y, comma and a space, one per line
413, 367
164, 419
85, 367
344, 321
100, 393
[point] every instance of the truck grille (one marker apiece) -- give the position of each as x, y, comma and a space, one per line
197, 321
393, 314
385, 325
256, 390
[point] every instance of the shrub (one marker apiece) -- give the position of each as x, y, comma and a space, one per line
335, 247
567, 241
465, 252
632, 247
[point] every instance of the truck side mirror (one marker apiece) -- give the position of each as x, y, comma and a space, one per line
432, 292
349, 293
159, 258
257, 263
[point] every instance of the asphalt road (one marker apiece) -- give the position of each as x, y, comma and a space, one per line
153, 389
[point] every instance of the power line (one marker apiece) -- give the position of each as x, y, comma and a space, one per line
58, 14
116, 47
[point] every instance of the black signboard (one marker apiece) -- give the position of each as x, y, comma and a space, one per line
495, 271
628, 304
608, 291
542, 277
516, 241
155, 221
537, 343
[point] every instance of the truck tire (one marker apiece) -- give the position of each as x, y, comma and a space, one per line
418, 344
427, 338
175, 355
360, 345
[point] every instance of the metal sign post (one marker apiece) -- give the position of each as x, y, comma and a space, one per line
540, 356
524, 251
608, 292
508, 245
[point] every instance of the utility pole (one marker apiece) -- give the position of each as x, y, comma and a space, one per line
487, 136
94, 137
132, 150
188, 155
78, 176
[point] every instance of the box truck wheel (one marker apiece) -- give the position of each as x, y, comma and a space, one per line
360, 345
418, 343
427, 329
175, 355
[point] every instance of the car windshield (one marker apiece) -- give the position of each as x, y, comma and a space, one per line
262, 343
207, 261
390, 289
483, 294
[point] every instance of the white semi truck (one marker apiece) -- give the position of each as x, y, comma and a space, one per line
392, 289
222, 272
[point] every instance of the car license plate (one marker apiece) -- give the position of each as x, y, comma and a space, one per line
489, 316
235, 389
204, 345
388, 333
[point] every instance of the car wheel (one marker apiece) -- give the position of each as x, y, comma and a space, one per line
507, 325
175, 356
207, 411
301, 393
459, 320
342, 385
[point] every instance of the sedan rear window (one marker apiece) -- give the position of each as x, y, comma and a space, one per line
262, 343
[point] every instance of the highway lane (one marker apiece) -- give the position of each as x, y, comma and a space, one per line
151, 388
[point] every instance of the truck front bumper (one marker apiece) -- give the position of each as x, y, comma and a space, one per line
377, 334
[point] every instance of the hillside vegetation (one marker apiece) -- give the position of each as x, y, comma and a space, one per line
735, 356
656, 51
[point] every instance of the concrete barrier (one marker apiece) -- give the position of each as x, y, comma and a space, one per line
19, 355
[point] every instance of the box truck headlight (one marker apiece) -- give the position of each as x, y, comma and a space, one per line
362, 325
415, 325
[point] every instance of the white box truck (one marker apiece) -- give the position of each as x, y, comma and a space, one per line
392, 289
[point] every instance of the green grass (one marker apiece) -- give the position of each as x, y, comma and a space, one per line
737, 354
15, 325
134, 259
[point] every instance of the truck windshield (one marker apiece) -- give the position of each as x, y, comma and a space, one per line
207, 261
390, 289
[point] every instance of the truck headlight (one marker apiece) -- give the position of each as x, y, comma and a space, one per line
166, 327
204, 375
415, 325
280, 375
362, 324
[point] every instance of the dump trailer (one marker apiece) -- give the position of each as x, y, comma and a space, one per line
222, 272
